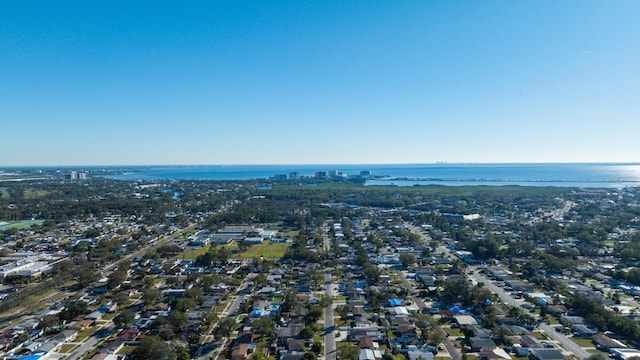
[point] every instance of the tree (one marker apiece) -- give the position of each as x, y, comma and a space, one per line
209, 318
153, 348
348, 352
307, 333
85, 274
596, 357
116, 279
343, 312
407, 259
150, 295
317, 347
315, 313
48, 321
435, 337
178, 320
124, 319
73, 309
263, 326
225, 327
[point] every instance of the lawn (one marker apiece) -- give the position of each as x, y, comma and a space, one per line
110, 316
538, 335
582, 342
127, 349
21, 224
267, 250
292, 233
67, 348
454, 332
85, 333
186, 234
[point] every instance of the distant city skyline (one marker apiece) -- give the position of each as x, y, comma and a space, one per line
312, 82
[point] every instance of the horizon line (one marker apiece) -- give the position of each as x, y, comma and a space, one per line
323, 164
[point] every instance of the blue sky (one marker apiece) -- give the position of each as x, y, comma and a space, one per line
290, 82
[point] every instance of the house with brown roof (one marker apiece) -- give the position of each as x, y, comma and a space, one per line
240, 352
365, 342
131, 336
82, 324
604, 343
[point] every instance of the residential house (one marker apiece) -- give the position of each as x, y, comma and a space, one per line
546, 354
605, 343
478, 344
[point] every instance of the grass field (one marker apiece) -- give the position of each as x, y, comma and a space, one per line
33, 193
4, 194
292, 233
267, 250
21, 224
192, 254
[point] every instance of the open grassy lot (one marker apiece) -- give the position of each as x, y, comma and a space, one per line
192, 254
33, 193
267, 250
21, 224
291, 233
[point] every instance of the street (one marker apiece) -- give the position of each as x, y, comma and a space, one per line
451, 349
549, 330
329, 336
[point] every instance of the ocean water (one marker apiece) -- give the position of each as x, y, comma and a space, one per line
566, 175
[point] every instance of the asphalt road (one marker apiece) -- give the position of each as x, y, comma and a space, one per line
87, 345
451, 349
561, 338
329, 326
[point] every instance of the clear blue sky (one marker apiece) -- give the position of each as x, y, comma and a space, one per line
287, 82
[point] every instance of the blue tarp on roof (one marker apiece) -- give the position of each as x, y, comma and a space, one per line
31, 357
395, 302
258, 313
455, 309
